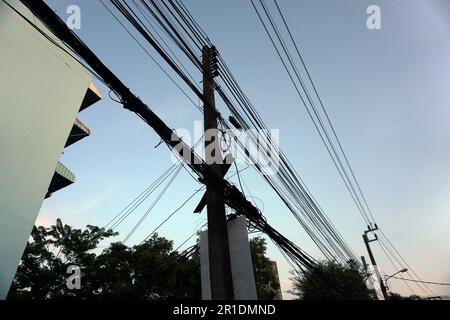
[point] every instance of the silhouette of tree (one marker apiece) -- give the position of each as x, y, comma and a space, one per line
149, 271
348, 283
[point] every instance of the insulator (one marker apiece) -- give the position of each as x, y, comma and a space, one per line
214, 60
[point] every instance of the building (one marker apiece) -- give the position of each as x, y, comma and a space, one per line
277, 291
42, 89
63, 177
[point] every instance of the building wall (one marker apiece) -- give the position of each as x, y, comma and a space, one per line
278, 294
41, 90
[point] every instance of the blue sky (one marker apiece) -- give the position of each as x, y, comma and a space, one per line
385, 90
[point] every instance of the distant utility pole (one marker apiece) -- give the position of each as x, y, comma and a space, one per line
218, 250
372, 258
366, 270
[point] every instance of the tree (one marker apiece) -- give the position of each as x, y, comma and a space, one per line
266, 281
331, 281
148, 271
42, 271
151, 270
397, 296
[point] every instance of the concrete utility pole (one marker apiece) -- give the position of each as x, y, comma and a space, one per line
372, 258
366, 270
218, 250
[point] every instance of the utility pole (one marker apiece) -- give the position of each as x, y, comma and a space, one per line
222, 289
366, 270
372, 258
218, 251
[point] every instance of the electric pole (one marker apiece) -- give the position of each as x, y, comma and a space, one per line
372, 258
366, 270
219, 255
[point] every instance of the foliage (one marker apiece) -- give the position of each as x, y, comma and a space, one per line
331, 281
397, 296
42, 271
149, 271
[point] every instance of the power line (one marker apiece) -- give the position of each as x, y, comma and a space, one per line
175, 33
405, 262
181, 165
172, 214
148, 18
127, 212
426, 282
127, 104
323, 107
396, 268
190, 237
150, 55
145, 215
233, 196
176, 36
67, 51
139, 199
320, 128
364, 209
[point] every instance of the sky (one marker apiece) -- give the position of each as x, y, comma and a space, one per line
385, 90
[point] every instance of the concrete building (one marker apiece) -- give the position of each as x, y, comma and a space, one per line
63, 177
42, 89
277, 291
